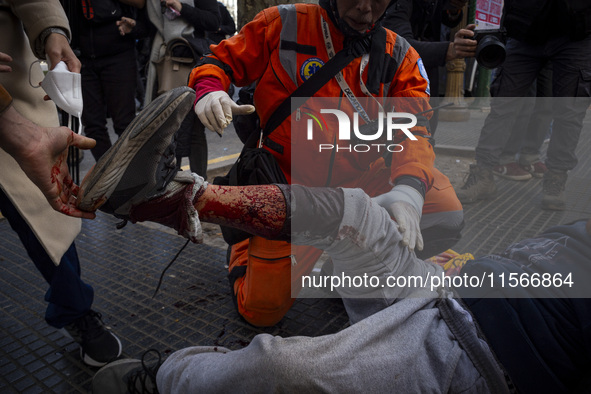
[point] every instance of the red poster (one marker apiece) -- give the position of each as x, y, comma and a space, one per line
488, 13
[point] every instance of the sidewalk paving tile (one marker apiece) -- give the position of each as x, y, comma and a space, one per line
193, 306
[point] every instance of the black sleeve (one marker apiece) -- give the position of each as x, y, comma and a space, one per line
143, 26
399, 21
204, 17
227, 26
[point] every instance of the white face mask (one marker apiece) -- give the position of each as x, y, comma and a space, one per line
64, 88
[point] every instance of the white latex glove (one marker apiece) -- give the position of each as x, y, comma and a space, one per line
215, 110
405, 204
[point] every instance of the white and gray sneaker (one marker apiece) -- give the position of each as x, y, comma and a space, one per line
143, 158
129, 376
137, 178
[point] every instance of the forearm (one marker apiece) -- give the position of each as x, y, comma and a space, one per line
259, 210
16, 132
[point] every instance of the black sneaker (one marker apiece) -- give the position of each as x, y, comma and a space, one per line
98, 345
128, 376
142, 159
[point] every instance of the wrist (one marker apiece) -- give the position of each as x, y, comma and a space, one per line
451, 52
409, 195
16, 132
414, 182
42, 39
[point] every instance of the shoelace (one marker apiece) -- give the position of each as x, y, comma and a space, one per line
169, 168
470, 179
144, 375
553, 184
89, 326
167, 267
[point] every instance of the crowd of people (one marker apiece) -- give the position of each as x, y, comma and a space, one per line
372, 213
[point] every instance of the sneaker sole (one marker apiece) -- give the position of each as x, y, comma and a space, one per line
553, 206
490, 196
101, 181
94, 363
526, 177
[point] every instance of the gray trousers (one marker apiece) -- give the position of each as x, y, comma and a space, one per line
401, 340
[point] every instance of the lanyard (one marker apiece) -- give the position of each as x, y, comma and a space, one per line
341, 79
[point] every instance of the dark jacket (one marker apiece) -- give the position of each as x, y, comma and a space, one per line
203, 16
420, 23
227, 25
535, 21
542, 338
98, 34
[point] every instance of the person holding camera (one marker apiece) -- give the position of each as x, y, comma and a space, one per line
420, 22
538, 32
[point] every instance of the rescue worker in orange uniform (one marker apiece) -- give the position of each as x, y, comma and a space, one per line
279, 50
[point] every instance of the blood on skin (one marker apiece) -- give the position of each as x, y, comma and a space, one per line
259, 209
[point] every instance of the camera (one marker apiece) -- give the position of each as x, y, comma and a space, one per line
490, 52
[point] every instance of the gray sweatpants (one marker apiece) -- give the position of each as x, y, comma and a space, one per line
402, 340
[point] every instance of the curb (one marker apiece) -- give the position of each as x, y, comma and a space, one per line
218, 171
454, 150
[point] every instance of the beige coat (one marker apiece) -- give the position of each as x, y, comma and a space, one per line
54, 230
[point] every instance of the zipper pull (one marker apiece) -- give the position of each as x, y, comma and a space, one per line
293, 260
298, 114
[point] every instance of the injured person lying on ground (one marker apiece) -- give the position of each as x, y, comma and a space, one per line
437, 337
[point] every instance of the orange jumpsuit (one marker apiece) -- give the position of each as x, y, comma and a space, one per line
276, 49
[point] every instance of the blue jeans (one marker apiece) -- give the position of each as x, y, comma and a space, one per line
571, 89
68, 296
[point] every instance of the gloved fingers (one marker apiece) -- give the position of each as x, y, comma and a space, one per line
416, 238
208, 121
245, 109
397, 211
201, 109
408, 224
401, 220
411, 241
219, 115
405, 238
420, 243
203, 119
